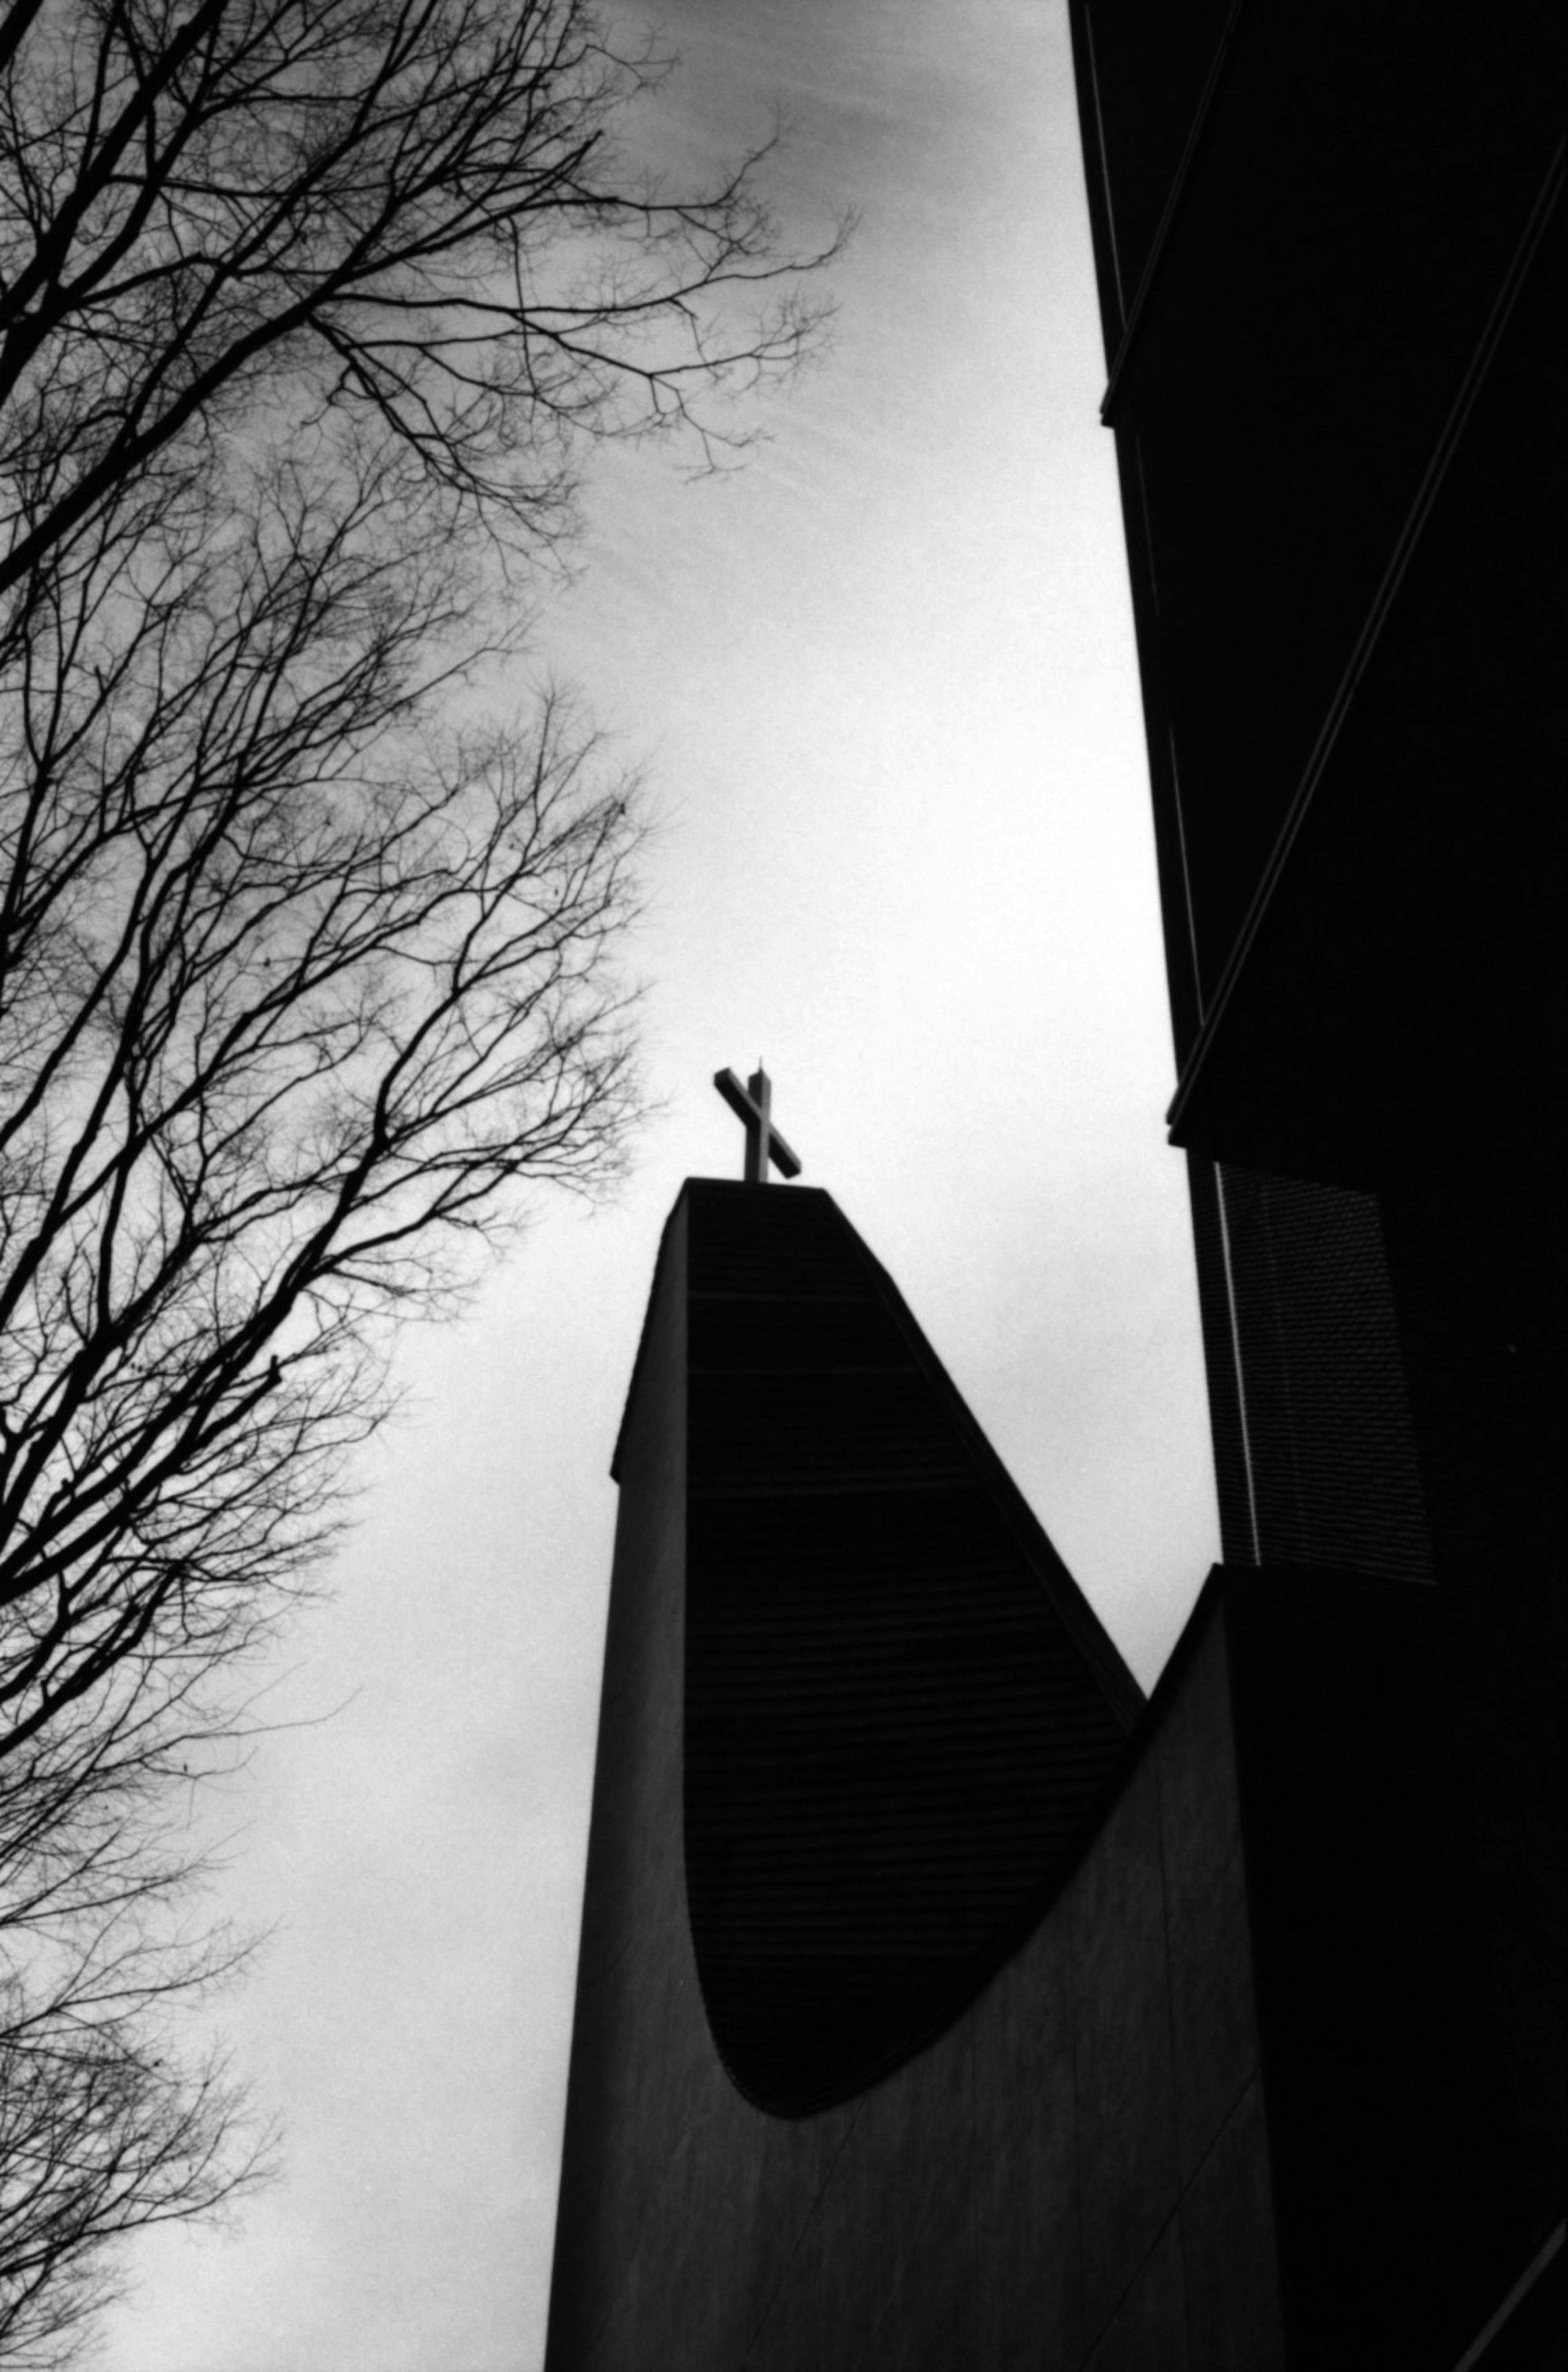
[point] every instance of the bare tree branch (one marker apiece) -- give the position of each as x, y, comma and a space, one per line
415, 218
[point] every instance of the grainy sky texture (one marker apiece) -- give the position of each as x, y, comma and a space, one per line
884, 680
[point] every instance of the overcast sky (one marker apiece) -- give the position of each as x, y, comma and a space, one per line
885, 681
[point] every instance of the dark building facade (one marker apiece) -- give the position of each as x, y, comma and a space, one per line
1330, 247
941, 2004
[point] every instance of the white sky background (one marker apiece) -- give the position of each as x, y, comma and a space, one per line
885, 679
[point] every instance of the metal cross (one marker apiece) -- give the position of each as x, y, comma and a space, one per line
752, 1106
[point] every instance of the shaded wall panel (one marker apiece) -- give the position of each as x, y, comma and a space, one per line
899, 1708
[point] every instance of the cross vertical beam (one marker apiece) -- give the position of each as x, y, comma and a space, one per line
752, 1105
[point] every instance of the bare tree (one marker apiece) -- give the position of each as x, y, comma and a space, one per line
414, 215
105, 2126
299, 981
296, 983
306, 966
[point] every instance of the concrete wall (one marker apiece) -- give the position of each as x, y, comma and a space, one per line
1075, 2174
